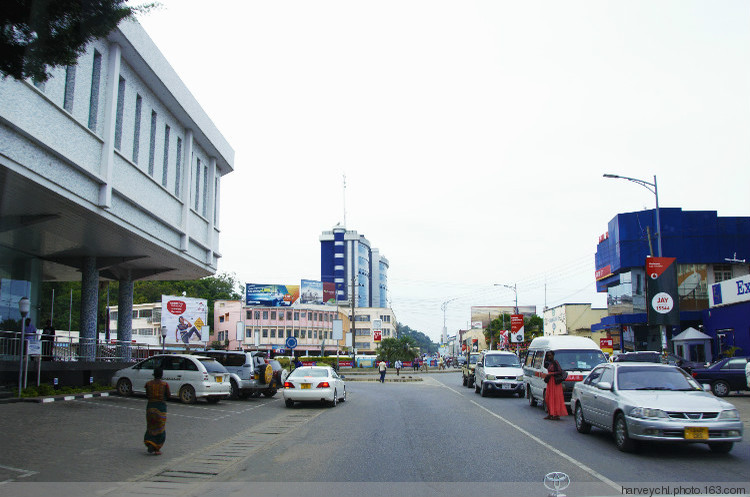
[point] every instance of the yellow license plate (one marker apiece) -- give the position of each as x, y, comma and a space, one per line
696, 433
219, 379
305, 385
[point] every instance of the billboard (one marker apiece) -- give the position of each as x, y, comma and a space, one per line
270, 295
311, 292
729, 292
329, 292
185, 320
516, 328
661, 291
483, 314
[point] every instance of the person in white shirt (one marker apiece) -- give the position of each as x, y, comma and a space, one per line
382, 367
398, 366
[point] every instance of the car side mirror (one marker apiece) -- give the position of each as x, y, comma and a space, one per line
604, 385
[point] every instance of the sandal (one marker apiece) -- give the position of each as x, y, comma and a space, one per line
548, 417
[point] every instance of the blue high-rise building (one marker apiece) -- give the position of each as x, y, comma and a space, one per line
345, 253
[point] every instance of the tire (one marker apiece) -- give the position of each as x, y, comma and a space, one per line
530, 396
213, 400
125, 387
187, 394
466, 382
289, 403
470, 382
270, 392
265, 374
476, 387
235, 392
335, 399
720, 388
581, 425
483, 391
721, 447
620, 432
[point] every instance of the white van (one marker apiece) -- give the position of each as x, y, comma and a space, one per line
576, 355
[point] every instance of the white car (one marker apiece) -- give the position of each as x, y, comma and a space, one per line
190, 377
314, 384
499, 371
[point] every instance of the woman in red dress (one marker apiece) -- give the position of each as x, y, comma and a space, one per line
553, 395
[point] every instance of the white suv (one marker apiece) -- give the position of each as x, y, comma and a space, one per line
498, 371
190, 377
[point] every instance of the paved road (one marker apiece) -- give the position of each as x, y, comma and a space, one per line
433, 437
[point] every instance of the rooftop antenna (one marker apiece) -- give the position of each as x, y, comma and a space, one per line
345, 200
735, 259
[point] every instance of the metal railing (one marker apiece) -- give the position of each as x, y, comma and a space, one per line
78, 349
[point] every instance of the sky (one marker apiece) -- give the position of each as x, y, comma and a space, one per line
473, 134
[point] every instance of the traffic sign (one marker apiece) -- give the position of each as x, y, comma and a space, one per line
291, 342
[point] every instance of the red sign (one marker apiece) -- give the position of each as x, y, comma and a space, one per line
516, 328
655, 266
377, 335
603, 272
605, 343
176, 307
345, 364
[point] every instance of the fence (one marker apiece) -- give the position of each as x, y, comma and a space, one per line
77, 349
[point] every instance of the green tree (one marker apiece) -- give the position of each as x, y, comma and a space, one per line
40, 34
403, 348
420, 339
533, 327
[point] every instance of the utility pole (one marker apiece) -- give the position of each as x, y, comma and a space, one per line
353, 326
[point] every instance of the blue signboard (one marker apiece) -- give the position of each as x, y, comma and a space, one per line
291, 342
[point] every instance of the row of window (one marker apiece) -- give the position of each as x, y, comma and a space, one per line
155, 314
326, 317
281, 333
367, 332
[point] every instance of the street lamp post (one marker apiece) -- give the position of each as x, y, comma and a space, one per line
653, 189
24, 306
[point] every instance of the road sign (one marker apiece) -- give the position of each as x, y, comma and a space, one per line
291, 342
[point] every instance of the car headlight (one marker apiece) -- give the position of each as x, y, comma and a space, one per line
519, 377
730, 414
647, 412
490, 376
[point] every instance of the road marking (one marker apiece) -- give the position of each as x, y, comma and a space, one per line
25, 473
544, 444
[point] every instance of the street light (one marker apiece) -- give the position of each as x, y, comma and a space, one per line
24, 306
444, 306
653, 189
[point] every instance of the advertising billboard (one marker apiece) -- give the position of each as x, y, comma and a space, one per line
271, 295
329, 292
661, 291
483, 314
185, 320
516, 328
311, 292
731, 291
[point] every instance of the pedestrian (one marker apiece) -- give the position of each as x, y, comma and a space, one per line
29, 333
415, 364
553, 394
48, 340
382, 367
297, 363
425, 365
398, 366
157, 393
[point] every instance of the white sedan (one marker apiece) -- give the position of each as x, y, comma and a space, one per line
314, 384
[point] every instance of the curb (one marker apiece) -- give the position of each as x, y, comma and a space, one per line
56, 398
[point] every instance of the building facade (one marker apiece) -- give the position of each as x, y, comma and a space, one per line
346, 257
708, 249
110, 170
573, 319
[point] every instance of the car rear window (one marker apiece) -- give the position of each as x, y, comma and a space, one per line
580, 360
311, 372
213, 366
639, 358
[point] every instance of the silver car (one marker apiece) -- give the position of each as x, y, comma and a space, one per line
657, 402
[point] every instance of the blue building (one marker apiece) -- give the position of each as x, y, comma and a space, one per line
345, 253
708, 248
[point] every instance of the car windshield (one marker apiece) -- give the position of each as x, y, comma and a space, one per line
309, 372
473, 359
645, 378
213, 366
579, 360
499, 361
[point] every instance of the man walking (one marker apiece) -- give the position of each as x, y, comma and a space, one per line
382, 367
398, 366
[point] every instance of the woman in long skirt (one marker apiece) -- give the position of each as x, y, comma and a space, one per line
553, 395
157, 393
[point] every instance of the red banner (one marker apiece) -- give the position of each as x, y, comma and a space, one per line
603, 272
377, 335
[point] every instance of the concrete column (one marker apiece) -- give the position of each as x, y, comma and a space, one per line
89, 308
125, 319
186, 191
110, 115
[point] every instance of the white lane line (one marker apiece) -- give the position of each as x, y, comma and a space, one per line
24, 473
544, 444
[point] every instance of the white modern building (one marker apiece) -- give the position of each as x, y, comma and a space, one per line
573, 319
110, 170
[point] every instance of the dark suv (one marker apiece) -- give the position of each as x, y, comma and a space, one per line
654, 356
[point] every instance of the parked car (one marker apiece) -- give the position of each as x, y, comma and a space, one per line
314, 384
498, 371
250, 373
724, 376
190, 377
657, 402
657, 357
467, 369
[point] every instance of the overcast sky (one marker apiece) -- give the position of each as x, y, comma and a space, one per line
473, 134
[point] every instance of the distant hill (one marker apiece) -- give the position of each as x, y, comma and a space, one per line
423, 341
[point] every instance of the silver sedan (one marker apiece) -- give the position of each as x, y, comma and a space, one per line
314, 384
657, 402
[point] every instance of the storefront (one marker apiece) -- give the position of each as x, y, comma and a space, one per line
727, 320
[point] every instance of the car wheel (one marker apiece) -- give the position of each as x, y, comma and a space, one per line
289, 403
721, 447
581, 425
187, 394
720, 388
530, 396
483, 390
622, 439
270, 392
124, 387
476, 387
465, 381
213, 400
235, 392
335, 399
470, 382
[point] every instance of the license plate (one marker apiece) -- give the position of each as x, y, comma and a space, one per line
696, 433
219, 379
507, 386
304, 386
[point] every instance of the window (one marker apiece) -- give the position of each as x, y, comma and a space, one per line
281, 315
304, 315
248, 314
288, 333
265, 314
205, 191
265, 332
289, 315
302, 333
722, 272
165, 168
118, 112
296, 333
221, 319
315, 333
137, 130
178, 170
273, 333
197, 183
70, 88
735, 364
152, 144
96, 76
248, 333
257, 314
296, 315
273, 314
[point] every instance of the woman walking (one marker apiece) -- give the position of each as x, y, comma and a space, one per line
157, 393
553, 394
